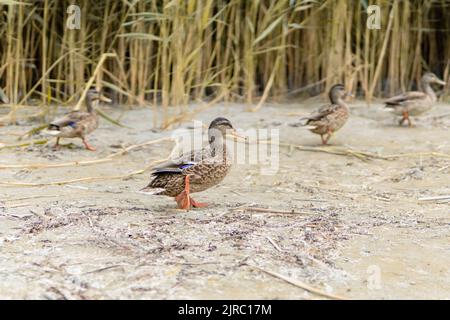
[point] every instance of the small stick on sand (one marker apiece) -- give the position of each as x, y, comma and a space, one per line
297, 283
30, 197
17, 205
23, 144
435, 198
267, 210
418, 154
105, 268
362, 155
274, 244
80, 162
85, 179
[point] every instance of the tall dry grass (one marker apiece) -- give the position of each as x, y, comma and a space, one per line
170, 52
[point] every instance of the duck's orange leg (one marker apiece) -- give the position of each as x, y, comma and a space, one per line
405, 118
325, 140
87, 146
408, 119
57, 146
184, 200
196, 204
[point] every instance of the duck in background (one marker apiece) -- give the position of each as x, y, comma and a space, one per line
77, 124
414, 103
329, 118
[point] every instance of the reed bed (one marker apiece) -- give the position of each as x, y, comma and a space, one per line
167, 53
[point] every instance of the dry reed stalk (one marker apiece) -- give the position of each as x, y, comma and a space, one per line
23, 144
171, 52
92, 78
274, 211
374, 80
84, 179
108, 158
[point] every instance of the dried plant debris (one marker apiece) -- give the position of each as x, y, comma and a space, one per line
310, 229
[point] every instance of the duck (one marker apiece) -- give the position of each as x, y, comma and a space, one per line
77, 124
328, 119
196, 170
414, 103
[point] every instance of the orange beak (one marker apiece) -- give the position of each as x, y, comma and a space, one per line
234, 134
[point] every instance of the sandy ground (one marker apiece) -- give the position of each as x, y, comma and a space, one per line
358, 229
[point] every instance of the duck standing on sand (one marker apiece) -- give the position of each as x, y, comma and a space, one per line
330, 118
77, 124
414, 103
194, 171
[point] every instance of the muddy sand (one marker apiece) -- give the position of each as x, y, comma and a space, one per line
345, 225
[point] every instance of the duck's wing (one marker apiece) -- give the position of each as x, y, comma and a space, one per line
321, 113
181, 163
69, 120
403, 98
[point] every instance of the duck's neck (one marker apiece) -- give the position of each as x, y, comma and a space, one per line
89, 105
428, 90
218, 146
339, 101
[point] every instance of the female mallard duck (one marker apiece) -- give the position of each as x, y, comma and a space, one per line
330, 118
194, 171
77, 124
415, 102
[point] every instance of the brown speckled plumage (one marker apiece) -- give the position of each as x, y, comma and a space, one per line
414, 103
330, 118
77, 124
206, 168
203, 176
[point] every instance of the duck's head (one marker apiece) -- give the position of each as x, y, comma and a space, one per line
94, 95
430, 77
338, 92
221, 126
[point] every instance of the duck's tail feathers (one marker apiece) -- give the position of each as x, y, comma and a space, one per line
308, 127
151, 191
51, 131
390, 107
303, 125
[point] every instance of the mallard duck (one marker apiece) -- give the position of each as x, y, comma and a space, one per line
77, 124
194, 171
413, 103
329, 118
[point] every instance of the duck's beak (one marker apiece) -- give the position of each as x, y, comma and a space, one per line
234, 134
439, 81
104, 99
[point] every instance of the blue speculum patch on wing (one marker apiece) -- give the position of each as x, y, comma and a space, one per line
175, 170
72, 124
169, 170
186, 165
